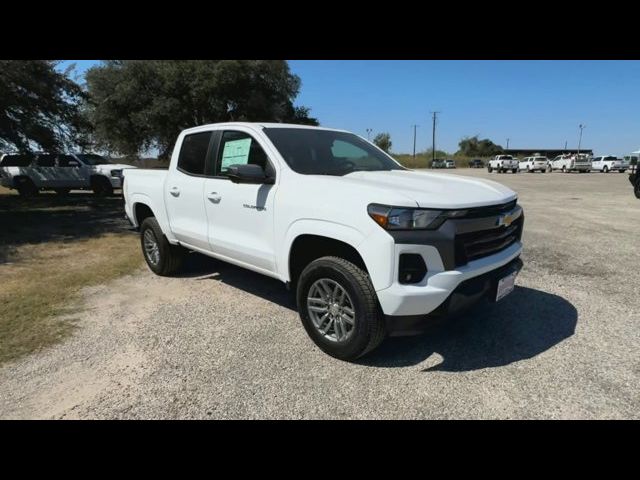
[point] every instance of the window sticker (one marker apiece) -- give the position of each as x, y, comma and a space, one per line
235, 152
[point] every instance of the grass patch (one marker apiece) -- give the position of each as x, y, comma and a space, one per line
44, 265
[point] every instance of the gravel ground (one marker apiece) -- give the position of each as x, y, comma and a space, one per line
221, 342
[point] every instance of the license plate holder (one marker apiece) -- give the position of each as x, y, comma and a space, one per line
506, 285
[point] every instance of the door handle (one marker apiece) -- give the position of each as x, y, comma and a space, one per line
175, 191
214, 197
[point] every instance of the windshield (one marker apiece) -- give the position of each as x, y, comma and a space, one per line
93, 159
326, 152
506, 157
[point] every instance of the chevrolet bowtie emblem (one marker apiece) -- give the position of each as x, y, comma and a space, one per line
505, 220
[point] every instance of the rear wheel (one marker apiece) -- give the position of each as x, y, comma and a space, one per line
564, 169
605, 169
161, 257
489, 169
339, 308
514, 170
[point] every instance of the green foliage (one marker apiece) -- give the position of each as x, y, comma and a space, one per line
383, 141
39, 106
473, 147
136, 104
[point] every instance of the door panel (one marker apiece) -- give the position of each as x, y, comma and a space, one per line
241, 215
240, 220
183, 191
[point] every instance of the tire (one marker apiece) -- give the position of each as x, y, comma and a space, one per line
622, 171
368, 329
605, 169
636, 189
101, 186
26, 187
169, 257
564, 169
514, 170
63, 192
489, 169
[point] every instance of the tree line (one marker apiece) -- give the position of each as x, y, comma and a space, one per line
128, 107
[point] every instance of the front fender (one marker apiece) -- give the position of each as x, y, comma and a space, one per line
376, 249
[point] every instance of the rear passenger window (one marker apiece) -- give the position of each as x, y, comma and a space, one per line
193, 153
67, 161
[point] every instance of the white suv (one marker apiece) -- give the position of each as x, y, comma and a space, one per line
532, 164
29, 174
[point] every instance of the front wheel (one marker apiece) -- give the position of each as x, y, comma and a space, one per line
101, 187
339, 308
161, 257
489, 169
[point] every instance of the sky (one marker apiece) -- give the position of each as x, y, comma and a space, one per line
535, 104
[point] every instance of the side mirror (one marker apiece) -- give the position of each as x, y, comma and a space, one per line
248, 173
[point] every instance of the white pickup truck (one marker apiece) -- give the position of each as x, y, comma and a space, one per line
370, 247
571, 163
29, 174
609, 163
503, 163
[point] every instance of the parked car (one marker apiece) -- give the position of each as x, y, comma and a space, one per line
503, 163
608, 163
571, 163
30, 174
532, 164
449, 164
386, 251
476, 163
439, 163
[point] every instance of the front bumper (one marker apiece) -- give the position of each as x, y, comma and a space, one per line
468, 293
427, 296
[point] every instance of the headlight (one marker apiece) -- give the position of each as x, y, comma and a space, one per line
116, 173
401, 218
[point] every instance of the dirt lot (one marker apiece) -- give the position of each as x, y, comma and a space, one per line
221, 342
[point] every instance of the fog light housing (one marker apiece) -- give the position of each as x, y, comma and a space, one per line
412, 268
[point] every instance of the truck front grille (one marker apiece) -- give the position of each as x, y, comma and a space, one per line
482, 243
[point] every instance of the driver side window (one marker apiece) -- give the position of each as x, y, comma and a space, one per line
239, 148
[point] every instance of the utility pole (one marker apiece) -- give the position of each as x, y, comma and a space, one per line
581, 127
507, 144
565, 146
414, 140
433, 139
369, 130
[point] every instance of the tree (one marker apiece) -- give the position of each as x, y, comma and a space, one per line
136, 105
383, 141
39, 106
473, 147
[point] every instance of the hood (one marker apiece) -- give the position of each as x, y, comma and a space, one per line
436, 190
